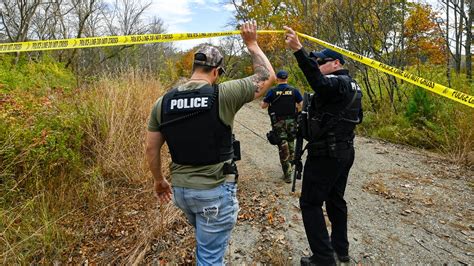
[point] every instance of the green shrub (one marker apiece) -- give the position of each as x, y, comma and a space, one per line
27, 74
40, 156
41, 141
419, 107
421, 118
39, 131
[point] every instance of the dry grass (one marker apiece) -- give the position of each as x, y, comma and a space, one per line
121, 107
279, 256
404, 186
460, 147
47, 225
377, 186
117, 138
157, 228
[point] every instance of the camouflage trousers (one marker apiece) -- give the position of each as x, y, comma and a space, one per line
286, 128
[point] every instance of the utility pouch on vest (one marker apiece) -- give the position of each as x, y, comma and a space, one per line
315, 128
273, 138
273, 118
230, 171
236, 146
331, 142
303, 117
302, 124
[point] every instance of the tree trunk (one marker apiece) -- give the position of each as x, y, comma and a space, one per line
458, 31
448, 51
402, 36
469, 40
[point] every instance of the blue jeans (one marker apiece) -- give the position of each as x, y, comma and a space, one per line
213, 213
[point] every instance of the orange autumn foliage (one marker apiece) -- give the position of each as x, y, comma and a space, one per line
425, 42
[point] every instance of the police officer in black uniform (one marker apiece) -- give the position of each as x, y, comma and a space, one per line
333, 112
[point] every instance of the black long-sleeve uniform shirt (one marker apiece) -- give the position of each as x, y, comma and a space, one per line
331, 94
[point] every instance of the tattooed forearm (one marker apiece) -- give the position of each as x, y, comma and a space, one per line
261, 70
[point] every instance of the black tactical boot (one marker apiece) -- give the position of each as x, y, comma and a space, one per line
309, 261
306, 261
343, 258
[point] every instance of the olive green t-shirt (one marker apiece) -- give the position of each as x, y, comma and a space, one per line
232, 96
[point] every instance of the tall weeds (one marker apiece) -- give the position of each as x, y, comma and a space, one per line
119, 109
63, 154
458, 137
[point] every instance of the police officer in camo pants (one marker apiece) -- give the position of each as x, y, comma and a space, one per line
283, 102
333, 112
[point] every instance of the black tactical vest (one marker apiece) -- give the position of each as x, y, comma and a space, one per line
192, 128
283, 103
336, 116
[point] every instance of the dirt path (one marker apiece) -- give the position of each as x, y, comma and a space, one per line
405, 206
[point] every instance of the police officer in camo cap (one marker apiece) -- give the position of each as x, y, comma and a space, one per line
283, 102
209, 56
195, 120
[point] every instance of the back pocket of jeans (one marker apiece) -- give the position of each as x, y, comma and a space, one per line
208, 206
207, 200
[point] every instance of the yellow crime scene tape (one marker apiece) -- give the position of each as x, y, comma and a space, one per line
90, 42
413, 79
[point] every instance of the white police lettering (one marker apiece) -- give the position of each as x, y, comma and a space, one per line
197, 102
355, 86
188, 103
174, 102
204, 102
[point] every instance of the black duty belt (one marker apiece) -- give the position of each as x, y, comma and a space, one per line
323, 148
284, 117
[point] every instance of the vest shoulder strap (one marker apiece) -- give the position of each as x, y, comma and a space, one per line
285, 89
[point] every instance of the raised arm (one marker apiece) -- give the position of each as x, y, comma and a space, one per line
311, 72
264, 75
319, 83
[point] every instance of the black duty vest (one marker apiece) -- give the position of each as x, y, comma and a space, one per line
283, 103
192, 128
326, 113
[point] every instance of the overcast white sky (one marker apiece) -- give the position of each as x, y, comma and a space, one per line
192, 16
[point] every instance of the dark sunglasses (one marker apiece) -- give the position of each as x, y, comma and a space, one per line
220, 70
324, 61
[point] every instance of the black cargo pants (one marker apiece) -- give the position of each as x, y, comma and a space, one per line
324, 180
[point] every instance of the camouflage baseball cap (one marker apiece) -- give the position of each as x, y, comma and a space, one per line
208, 56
